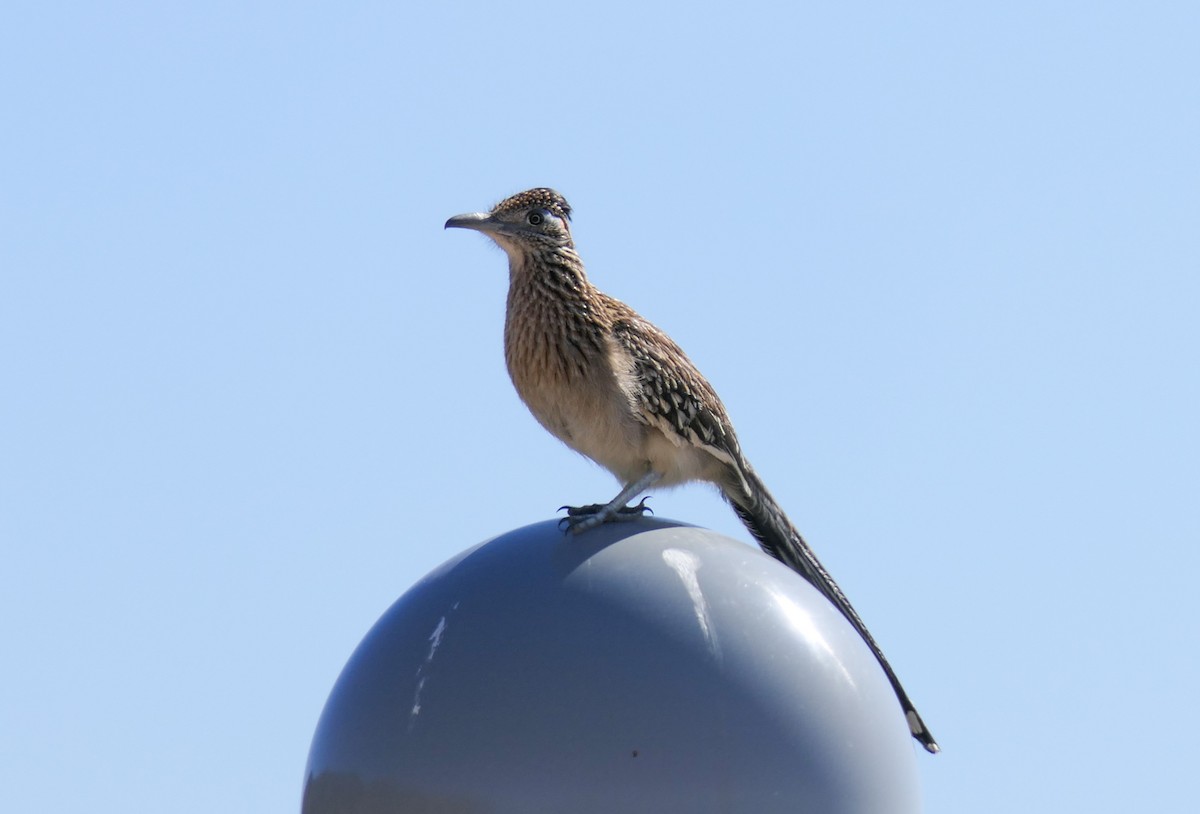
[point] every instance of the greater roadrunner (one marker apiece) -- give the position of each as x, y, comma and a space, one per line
612, 386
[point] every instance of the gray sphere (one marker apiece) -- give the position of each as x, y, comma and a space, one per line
644, 666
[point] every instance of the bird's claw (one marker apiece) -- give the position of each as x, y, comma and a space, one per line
638, 509
581, 518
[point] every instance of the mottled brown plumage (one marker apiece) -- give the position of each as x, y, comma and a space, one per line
615, 388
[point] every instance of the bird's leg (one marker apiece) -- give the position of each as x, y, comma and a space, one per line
581, 518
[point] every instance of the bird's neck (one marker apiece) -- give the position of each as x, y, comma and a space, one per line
557, 275
555, 318
560, 259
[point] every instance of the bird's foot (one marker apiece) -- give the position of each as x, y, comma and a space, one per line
581, 518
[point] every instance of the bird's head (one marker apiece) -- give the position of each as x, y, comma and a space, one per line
530, 222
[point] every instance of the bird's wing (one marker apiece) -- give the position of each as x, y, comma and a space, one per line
670, 392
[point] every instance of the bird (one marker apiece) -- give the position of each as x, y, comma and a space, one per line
614, 387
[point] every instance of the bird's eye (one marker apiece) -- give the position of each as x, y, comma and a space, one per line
535, 218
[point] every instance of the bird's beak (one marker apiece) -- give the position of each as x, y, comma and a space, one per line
479, 221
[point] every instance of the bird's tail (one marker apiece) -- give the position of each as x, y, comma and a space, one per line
779, 538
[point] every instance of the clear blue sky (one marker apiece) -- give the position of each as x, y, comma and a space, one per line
940, 260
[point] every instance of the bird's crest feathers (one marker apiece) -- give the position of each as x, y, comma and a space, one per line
541, 196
